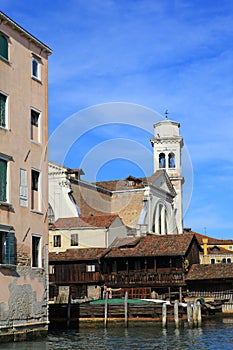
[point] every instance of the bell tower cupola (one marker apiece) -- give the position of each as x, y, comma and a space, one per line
167, 144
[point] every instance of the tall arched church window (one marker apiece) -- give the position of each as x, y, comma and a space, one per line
162, 160
51, 215
171, 160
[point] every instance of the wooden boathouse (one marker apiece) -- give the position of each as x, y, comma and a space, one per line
144, 267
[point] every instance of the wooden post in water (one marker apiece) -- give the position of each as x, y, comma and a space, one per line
164, 315
180, 294
190, 314
126, 309
199, 314
195, 313
68, 312
176, 313
106, 310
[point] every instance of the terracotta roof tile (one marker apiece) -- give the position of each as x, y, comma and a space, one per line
155, 245
85, 221
210, 271
78, 254
211, 240
215, 250
125, 242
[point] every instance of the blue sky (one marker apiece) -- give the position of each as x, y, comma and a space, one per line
161, 54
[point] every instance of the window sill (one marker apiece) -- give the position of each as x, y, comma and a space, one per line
8, 266
5, 60
36, 79
37, 268
36, 212
36, 142
5, 204
4, 128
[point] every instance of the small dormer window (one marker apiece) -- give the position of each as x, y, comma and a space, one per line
171, 160
162, 160
130, 183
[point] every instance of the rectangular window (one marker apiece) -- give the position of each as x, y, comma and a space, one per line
35, 125
3, 180
3, 46
74, 240
3, 110
36, 251
57, 241
90, 268
35, 190
23, 189
35, 68
7, 248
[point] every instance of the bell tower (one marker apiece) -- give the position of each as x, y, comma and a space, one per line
167, 144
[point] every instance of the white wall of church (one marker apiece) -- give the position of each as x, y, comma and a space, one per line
60, 197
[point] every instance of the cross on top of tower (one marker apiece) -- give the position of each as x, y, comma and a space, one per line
166, 114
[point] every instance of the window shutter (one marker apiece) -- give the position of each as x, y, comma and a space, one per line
3, 172
23, 190
10, 248
3, 47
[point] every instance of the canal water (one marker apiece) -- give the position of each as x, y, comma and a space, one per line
216, 333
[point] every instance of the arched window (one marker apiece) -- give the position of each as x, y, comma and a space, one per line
212, 261
228, 260
171, 160
51, 215
224, 260
159, 223
162, 160
160, 218
3, 47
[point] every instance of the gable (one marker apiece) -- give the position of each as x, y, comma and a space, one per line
161, 181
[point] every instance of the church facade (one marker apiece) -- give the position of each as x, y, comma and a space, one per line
145, 205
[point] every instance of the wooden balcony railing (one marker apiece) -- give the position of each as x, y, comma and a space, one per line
82, 277
155, 278
122, 279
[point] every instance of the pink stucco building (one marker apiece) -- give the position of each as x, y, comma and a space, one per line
23, 181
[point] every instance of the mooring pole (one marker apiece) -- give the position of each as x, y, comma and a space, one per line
195, 313
199, 314
164, 315
176, 313
106, 310
126, 309
68, 312
190, 314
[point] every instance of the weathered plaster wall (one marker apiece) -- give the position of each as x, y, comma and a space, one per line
23, 297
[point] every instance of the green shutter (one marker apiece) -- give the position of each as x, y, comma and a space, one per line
3, 47
2, 110
3, 183
10, 248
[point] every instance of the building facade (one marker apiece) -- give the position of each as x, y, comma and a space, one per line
23, 181
146, 205
98, 231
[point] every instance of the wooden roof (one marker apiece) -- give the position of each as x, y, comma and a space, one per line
155, 245
78, 254
210, 271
